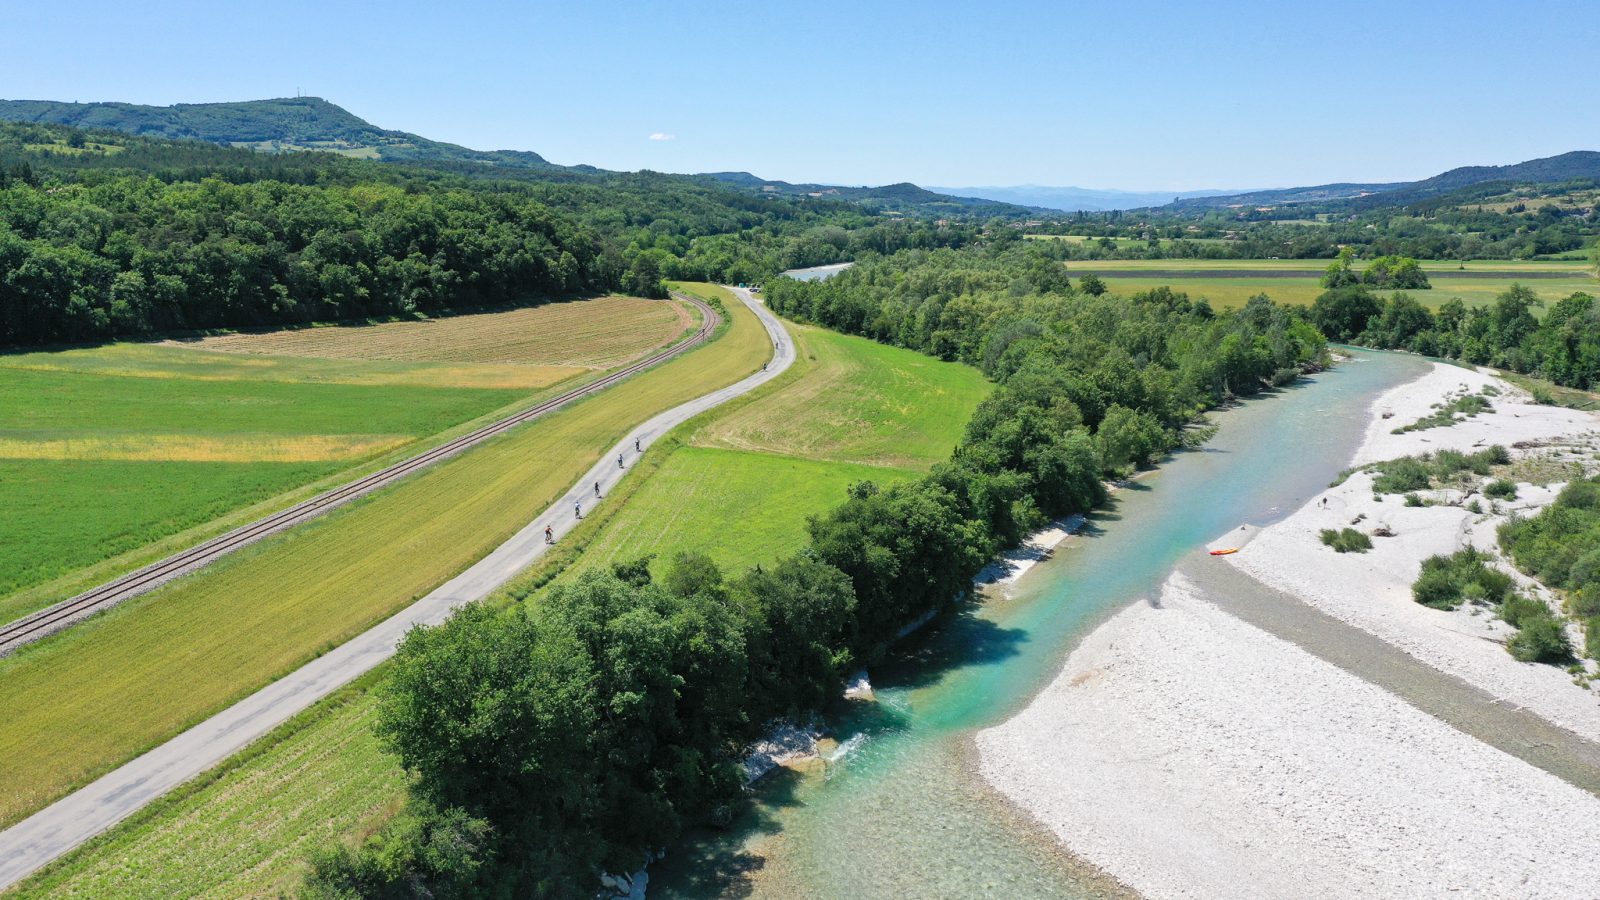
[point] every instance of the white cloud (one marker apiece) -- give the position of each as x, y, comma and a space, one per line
663, 136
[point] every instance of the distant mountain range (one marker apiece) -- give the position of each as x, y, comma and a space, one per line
311, 123
1574, 166
1073, 199
901, 197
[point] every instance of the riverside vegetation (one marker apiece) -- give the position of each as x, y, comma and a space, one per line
586, 729
1561, 547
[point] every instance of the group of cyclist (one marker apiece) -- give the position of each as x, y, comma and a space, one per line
577, 506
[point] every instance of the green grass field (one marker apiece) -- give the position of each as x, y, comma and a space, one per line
738, 507
115, 455
246, 830
1219, 281
151, 667
749, 475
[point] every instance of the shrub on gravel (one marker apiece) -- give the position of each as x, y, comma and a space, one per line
1346, 540
1464, 575
1501, 489
1540, 638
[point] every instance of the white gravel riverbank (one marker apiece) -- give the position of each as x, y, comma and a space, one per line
1191, 755
1372, 590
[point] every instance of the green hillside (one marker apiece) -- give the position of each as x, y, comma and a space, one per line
286, 123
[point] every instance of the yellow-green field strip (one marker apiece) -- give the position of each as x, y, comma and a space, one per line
61, 615
68, 822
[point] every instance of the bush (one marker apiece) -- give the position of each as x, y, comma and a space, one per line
1445, 581
1501, 489
1347, 540
1436, 588
1541, 639
1591, 637
1520, 610
1402, 476
1413, 499
1584, 602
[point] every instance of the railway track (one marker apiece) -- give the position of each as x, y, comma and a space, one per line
54, 618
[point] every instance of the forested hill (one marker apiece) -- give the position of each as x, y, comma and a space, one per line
312, 123
289, 123
1578, 165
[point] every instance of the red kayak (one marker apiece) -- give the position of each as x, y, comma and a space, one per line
1225, 552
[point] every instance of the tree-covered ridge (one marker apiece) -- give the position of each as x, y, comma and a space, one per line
128, 235
287, 123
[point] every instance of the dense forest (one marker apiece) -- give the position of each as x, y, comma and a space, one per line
584, 729
103, 235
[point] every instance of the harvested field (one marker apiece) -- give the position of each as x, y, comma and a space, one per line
194, 448
167, 362
597, 333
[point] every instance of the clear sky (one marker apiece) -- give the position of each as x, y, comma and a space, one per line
1154, 95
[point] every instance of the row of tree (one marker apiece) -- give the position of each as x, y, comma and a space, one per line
1399, 272
1455, 226
575, 734
1563, 346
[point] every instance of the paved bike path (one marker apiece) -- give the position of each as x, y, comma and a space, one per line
56, 829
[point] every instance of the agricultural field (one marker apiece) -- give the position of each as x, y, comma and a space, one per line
1120, 242
111, 456
246, 829
559, 334
147, 669
1229, 283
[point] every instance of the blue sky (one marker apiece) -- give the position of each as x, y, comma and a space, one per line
1159, 96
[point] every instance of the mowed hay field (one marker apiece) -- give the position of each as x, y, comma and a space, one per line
597, 333
324, 777
79, 703
1230, 283
112, 456
747, 477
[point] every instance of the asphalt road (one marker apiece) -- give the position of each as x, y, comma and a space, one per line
56, 829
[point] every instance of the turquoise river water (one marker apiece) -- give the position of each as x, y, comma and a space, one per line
899, 810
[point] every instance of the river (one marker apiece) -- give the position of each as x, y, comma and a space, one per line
901, 811
817, 273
